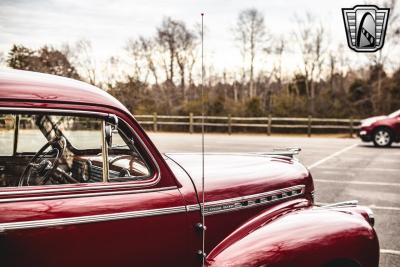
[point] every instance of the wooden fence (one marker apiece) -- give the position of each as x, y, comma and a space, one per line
226, 124
268, 124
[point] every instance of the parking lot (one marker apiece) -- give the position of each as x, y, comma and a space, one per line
343, 169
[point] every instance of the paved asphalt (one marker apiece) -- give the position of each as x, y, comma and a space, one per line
343, 169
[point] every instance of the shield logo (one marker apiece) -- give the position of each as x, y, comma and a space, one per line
365, 27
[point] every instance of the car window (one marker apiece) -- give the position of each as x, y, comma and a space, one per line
81, 132
126, 161
51, 149
30, 138
7, 126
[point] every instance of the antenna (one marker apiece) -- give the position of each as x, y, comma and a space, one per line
202, 141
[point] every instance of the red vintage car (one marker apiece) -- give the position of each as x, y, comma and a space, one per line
81, 184
381, 130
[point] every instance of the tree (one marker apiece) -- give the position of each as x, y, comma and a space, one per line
20, 57
167, 39
249, 33
83, 59
185, 46
46, 60
310, 37
385, 55
278, 50
135, 50
179, 42
149, 47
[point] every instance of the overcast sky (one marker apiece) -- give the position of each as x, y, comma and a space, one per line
109, 24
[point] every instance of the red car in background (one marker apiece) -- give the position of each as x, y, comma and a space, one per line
81, 184
382, 130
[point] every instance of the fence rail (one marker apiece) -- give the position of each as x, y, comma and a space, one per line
269, 123
228, 123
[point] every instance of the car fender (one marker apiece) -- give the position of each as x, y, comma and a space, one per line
294, 234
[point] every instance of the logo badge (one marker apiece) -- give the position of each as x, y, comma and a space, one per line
365, 27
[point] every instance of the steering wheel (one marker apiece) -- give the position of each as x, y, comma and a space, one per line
41, 167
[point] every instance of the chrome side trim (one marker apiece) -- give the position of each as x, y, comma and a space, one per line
70, 189
249, 201
90, 219
95, 194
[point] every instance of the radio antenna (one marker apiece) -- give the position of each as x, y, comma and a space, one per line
202, 142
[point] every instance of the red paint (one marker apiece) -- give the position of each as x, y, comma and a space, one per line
371, 125
288, 233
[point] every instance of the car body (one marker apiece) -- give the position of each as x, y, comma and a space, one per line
381, 130
146, 210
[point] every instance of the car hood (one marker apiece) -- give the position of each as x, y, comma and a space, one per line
236, 175
369, 121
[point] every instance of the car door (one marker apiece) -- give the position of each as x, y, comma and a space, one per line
120, 220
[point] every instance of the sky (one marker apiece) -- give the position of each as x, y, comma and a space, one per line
109, 24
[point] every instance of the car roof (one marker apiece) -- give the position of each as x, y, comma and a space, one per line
32, 86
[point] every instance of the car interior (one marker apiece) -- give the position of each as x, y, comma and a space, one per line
49, 149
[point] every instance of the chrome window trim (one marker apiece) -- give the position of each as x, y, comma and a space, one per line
157, 178
94, 194
233, 204
55, 110
128, 184
104, 152
90, 218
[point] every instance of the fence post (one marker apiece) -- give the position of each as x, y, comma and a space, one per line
269, 125
351, 127
229, 124
191, 122
155, 122
309, 126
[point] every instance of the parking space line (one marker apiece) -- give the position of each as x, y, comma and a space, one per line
383, 208
337, 153
374, 207
390, 251
356, 182
360, 169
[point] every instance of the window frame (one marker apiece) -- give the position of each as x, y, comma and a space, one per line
123, 129
152, 180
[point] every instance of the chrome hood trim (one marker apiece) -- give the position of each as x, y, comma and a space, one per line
250, 201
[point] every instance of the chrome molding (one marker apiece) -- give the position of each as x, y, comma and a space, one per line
90, 219
104, 152
95, 194
53, 110
71, 189
249, 201
213, 207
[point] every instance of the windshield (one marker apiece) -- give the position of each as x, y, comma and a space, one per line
394, 114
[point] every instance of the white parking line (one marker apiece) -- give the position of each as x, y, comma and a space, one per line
374, 207
315, 164
356, 182
390, 251
383, 208
360, 169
